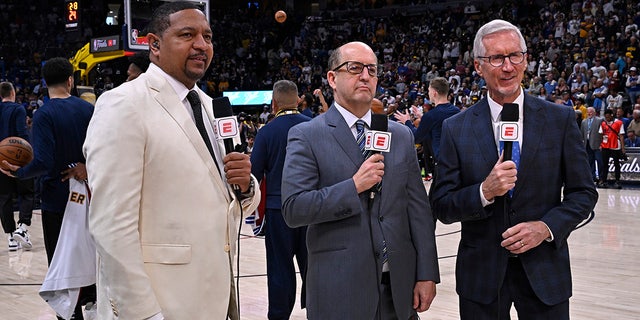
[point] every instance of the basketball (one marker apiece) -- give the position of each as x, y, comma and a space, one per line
16, 151
281, 16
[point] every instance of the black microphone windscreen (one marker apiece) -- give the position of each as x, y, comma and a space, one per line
222, 107
510, 112
379, 122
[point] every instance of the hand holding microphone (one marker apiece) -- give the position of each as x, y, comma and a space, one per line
377, 140
237, 166
370, 173
502, 177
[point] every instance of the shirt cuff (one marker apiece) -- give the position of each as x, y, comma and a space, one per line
484, 200
550, 239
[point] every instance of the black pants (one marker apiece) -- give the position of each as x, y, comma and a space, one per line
10, 188
515, 290
606, 155
282, 244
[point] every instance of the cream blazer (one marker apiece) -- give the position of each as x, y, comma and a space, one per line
163, 220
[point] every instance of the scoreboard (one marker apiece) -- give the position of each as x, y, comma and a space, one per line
72, 10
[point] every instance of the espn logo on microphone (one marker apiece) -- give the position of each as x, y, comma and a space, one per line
379, 141
509, 131
226, 127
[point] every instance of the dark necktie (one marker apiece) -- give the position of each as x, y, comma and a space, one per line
196, 106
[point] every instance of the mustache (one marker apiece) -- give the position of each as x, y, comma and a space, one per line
199, 55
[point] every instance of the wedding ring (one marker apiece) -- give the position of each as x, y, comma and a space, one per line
521, 244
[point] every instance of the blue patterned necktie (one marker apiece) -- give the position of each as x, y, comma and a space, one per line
360, 138
515, 156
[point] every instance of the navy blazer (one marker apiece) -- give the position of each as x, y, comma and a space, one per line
344, 262
554, 185
267, 156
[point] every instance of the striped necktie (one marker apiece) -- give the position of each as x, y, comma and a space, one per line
360, 138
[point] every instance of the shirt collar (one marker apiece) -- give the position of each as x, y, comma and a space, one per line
350, 118
497, 108
177, 86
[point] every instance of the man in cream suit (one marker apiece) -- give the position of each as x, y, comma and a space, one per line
162, 215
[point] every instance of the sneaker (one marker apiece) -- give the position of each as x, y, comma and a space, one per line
13, 244
616, 185
22, 235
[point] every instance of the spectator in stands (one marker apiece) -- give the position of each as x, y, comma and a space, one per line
632, 140
632, 84
634, 124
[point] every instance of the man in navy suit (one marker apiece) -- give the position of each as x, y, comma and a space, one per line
369, 258
513, 248
282, 243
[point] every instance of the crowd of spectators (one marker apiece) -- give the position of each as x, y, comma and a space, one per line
581, 53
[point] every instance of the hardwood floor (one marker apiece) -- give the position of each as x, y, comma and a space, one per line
605, 258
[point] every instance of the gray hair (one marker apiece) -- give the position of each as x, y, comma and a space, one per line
285, 94
492, 27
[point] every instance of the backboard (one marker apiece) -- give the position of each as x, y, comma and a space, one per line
137, 15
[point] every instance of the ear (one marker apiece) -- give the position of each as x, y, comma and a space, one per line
331, 78
153, 41
476, 65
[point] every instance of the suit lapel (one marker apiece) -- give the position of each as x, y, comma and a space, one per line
343, 135
534, 123
169, 101
483, 132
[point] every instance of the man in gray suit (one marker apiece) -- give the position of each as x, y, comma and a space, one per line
366, 260
592, 140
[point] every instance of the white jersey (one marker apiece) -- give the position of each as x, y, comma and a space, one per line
74, 260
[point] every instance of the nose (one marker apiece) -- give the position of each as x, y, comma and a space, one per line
507, 66
200, 42
364, 75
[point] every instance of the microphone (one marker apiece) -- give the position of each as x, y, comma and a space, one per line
225, 127
377, 140
509, 128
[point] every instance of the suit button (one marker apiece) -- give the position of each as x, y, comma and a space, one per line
512, 212
381, 218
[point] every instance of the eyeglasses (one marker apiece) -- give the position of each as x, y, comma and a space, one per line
355, 67
497, 60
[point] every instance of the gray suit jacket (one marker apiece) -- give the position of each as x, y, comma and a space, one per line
592, 136
344, 239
